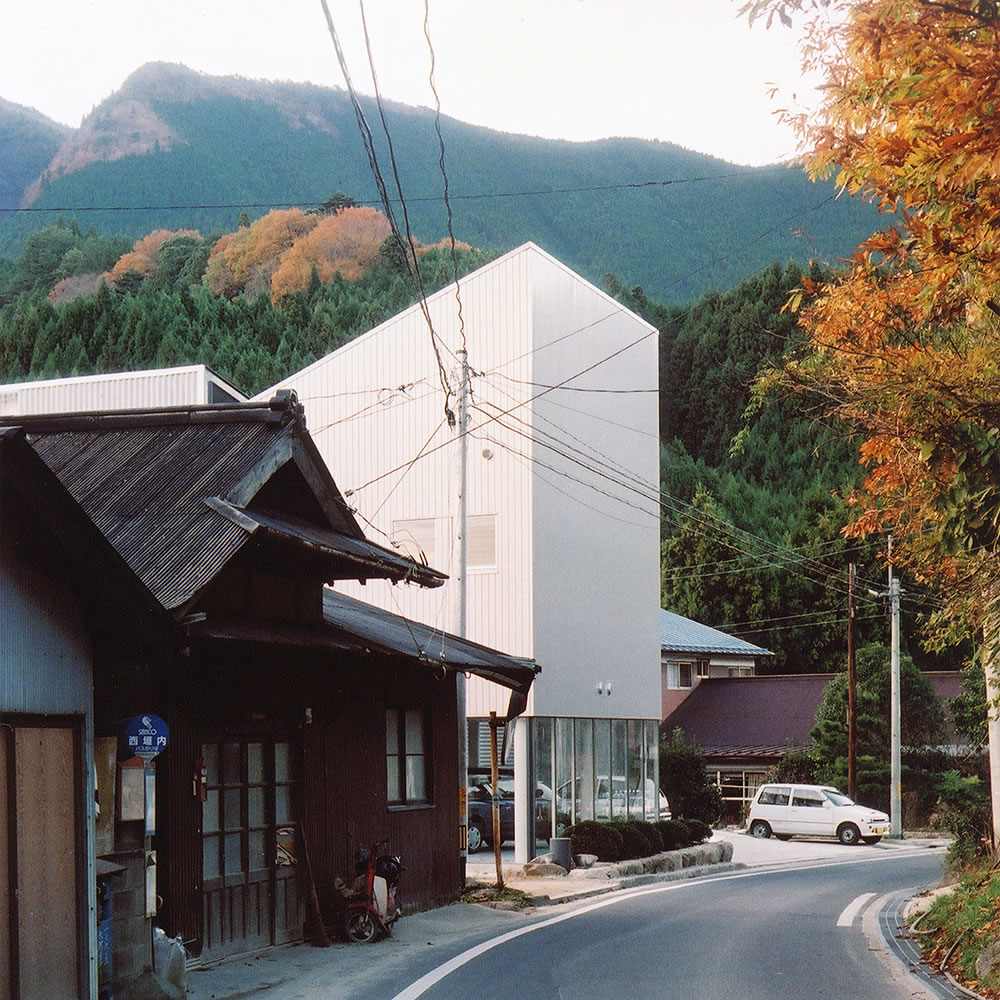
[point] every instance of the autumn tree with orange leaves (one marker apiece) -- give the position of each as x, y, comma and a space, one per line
345, 243
904, 346
142, 258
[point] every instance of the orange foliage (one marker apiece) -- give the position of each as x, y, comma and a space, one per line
906, 344
143, 255
346, 243
244, 261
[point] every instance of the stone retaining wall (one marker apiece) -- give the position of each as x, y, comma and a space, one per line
717, 852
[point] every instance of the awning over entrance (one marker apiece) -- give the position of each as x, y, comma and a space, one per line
388, 633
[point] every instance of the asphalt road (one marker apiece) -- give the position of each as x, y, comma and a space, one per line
753, 936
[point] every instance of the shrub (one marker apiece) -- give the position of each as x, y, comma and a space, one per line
699, 832
635, 843
591, 837
651, 834
964, 810
675, 834
685, 781
797, 767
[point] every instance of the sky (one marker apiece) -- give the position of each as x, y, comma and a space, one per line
685, 71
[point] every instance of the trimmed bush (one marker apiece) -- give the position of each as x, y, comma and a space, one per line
651, 833
698, 831
674, 833
635, 843
591, 837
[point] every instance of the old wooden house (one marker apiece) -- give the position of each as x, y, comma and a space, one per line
300, 720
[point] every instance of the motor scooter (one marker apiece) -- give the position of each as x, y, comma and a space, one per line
374, 905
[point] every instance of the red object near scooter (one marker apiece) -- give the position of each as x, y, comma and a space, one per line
372, 912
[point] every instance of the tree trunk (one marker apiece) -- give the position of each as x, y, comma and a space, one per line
991, 667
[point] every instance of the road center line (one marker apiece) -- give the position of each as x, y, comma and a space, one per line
846, 918
428, 980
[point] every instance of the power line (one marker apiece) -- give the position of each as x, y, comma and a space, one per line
317, 202
369, 145
785, 628
571, 388
530, 399
444, 172
695, 516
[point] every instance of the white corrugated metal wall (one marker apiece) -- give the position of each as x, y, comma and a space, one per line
577, 580
184, 386
364, 425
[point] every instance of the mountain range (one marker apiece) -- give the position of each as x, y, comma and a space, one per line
175, 148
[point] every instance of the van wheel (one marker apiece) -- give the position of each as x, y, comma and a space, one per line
849, 835
760, 829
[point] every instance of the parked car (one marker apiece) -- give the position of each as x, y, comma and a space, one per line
481, 816
613, 799
813, 810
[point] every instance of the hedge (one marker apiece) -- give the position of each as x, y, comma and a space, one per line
591, 837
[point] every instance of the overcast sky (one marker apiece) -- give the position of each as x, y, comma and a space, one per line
687, 71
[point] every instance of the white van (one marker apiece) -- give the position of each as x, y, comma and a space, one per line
815, 811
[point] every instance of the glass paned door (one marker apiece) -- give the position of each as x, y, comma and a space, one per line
249, 833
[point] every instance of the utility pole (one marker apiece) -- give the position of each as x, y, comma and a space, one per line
852, 686
460, 607
494, 782
895, 797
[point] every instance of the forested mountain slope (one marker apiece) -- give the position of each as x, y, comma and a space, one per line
171, 136
28, 141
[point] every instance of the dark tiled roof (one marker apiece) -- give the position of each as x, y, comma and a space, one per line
765, 716
778, 711
389, 633
144, 488
684, 635
377, 560
168, 489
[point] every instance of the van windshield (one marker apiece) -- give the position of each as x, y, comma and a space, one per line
837, 798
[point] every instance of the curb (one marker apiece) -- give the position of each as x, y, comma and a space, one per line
634, 881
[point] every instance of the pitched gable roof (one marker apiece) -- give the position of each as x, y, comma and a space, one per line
759, 716
152, 482
684, 635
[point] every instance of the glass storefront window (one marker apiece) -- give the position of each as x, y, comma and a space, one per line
541, 750
584, 729
619, 743
634, 769
602, 769
652, 770
564, 775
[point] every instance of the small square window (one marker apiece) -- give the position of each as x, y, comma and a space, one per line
678, 675
482, 547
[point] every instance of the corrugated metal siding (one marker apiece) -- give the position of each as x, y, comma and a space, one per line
45, 660
364, 425
119, 391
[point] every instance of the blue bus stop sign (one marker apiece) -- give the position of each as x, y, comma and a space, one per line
145, 736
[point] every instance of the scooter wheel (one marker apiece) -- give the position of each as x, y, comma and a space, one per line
361, 927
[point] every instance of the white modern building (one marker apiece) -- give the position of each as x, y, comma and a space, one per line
563, 525
189, 385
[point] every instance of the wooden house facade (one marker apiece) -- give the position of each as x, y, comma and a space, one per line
303, 723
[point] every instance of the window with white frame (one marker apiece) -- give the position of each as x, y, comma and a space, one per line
482, 545
678, 675
744, 670
702, 668
416, 537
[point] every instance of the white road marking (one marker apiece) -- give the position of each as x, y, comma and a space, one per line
853, 908
428, 980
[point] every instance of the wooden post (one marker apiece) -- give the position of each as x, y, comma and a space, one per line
494, 779
852, 683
